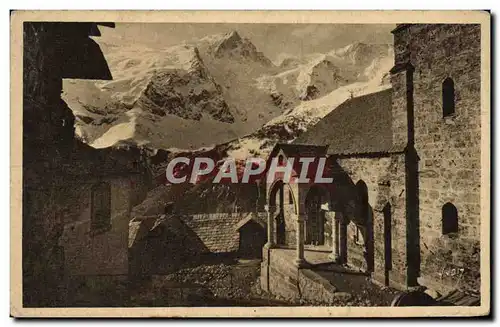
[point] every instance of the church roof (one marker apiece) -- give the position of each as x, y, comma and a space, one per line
360, 125
292, 150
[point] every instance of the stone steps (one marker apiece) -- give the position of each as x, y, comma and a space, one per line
292, 284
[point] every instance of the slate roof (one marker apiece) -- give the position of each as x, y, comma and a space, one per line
292, 150
360, 125
216, 231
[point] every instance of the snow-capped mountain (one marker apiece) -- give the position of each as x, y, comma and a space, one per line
232, 45
203, 90
305, 82
361, 54
362, 75
218, 90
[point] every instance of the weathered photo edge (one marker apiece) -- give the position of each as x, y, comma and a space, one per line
361, 17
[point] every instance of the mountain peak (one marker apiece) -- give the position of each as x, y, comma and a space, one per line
228, 42
362, 54
233, 35
353, 48
232, 45
227, 39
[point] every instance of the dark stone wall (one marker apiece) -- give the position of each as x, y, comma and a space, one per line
45, 144
56, 166
51, 52
90, 252
448, 148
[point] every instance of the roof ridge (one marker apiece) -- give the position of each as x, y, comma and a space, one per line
370, 94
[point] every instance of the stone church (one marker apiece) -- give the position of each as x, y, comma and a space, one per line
404, 204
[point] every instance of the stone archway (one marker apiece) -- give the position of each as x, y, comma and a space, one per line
316, 221
277, 201
364, 223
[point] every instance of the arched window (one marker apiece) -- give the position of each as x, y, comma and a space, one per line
101, 206
362, 192
450, 219
448, 97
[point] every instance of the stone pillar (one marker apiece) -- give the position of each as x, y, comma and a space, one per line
299, 260
270, 226
379, 271
334, 256
342, 231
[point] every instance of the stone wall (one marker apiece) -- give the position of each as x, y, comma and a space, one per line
384, 177
448, 148
89, 252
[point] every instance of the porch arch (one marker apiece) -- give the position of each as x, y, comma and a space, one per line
364, 222
277, 213
316, 197
271, 194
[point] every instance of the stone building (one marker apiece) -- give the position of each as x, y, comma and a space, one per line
161, 244
76, 199
404, 203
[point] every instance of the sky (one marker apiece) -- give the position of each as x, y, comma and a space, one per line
271, 39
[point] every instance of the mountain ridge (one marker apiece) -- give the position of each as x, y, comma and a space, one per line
217, 90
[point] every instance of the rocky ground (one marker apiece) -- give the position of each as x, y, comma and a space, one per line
364, 292
224, 283
238, 283
209, 284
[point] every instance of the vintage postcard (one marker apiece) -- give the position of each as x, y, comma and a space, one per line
250, 164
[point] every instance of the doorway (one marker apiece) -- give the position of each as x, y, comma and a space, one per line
315, 231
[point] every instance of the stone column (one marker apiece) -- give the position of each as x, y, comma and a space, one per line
334, 256
342, 240
270, 226
299, 260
